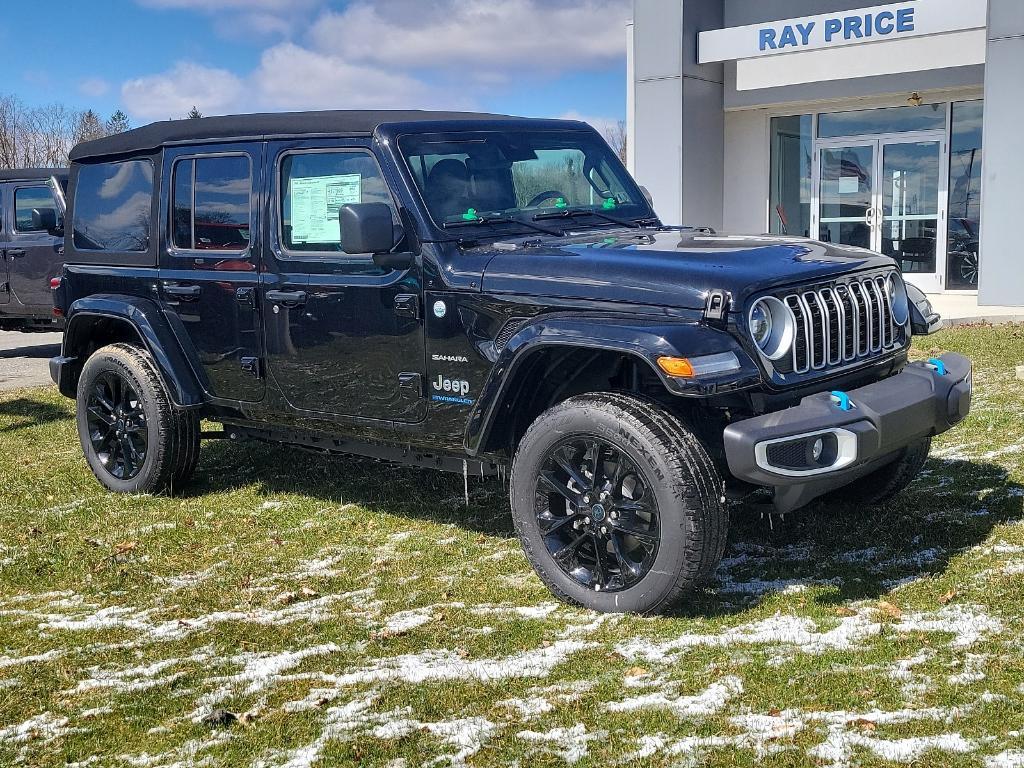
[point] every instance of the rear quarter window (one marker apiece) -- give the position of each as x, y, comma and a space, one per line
113, 206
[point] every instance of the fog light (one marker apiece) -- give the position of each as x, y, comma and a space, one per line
817, 448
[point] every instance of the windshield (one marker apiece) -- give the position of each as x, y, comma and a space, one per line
513, 177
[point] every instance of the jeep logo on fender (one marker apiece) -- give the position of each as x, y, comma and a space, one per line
458, 389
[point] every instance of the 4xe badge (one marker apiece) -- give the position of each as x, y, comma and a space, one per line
454, 391
440, 309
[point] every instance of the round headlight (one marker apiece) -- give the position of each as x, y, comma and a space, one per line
899, 304
760, 324
772, 327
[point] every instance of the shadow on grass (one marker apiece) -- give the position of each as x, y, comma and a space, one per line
856, 553
26, 412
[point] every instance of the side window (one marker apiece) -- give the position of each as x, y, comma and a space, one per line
28, 198
314, 185
113, 205
211, 203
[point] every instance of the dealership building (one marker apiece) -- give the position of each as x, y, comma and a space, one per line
897, 127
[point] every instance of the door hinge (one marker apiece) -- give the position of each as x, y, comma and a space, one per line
717, 305
407, 305
411, 385
252, 366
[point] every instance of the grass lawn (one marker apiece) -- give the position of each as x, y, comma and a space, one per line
293, 610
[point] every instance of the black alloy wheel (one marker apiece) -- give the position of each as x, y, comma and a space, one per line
117, 425
597, 514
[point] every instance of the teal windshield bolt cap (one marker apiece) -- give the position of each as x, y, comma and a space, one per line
470, 215
609, 203
560, 203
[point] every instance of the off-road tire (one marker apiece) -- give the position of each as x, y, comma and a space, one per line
172, 449
694, 518
886, 482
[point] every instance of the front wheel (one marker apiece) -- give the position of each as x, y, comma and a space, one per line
617, 504
133, 438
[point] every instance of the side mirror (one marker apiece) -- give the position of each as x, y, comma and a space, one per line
45, 219
924, 320
366, 228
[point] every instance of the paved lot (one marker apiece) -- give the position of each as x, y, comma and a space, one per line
24, 358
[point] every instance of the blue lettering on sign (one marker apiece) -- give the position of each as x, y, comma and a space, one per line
905, 20
856, 27
767, 39
832, 27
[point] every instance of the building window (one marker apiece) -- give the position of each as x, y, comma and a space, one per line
791, 147
964, 196
861, 122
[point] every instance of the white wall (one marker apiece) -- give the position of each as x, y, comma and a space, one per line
745, 196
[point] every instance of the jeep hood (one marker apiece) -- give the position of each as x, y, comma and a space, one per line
665, 267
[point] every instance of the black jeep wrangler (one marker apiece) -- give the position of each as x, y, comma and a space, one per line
31, 246
475, 293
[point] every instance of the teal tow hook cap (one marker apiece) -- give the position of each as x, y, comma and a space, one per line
841, 400
938, 365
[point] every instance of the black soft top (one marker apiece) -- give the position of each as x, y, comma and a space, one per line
265, 125
32, 174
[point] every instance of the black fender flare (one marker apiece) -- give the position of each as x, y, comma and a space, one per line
644, 340
149, 322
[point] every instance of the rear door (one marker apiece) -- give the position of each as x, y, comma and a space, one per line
344, 336
208, 277
6, 224
33, 255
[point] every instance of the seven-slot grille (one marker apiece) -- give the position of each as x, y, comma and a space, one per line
842, 323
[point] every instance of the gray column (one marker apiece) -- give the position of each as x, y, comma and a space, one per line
679, 117
1002, 256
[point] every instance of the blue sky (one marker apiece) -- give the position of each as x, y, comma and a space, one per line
155, 58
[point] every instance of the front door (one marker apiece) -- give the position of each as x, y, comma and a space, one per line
344, 336
887, 194
208, 275
33, 255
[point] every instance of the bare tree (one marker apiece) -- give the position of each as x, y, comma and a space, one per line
618, 139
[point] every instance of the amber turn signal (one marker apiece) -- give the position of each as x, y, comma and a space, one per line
676, 366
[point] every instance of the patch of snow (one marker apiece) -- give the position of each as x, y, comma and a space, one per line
708, 702
134, 679
570, 744
43, 727
528, 708
839, 749
1008, 759
13, 661
403, 621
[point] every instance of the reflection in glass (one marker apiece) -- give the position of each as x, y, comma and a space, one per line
927, 117
28, 198
791, 142
845, 192
910, 204
965, 165
222, 188
113, 206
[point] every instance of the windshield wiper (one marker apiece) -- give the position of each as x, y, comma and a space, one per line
572, 213
480, 220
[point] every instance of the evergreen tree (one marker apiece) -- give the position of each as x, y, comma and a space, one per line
89, 126
194, 113
118, 123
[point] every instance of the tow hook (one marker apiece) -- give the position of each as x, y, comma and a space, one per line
937, 365
841, 400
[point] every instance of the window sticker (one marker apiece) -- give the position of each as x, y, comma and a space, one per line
315, 201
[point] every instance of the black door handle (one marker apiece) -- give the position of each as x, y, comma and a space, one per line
183, 292
287, 298
15, 253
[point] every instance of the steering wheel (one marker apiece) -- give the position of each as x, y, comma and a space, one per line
551, 194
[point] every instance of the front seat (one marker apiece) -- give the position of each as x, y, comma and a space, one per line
447, 188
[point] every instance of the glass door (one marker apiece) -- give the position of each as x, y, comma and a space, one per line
886, 194
911, 217
846, 193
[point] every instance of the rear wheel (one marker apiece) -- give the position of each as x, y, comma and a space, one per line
133, 438
618, 506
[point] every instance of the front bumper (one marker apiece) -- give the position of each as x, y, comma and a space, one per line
923, 400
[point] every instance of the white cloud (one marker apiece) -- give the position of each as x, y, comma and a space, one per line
603, 125
280, 6
172, 94
478, 37
94, 87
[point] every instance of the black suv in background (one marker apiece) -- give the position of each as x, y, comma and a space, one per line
31, 246
474, 293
